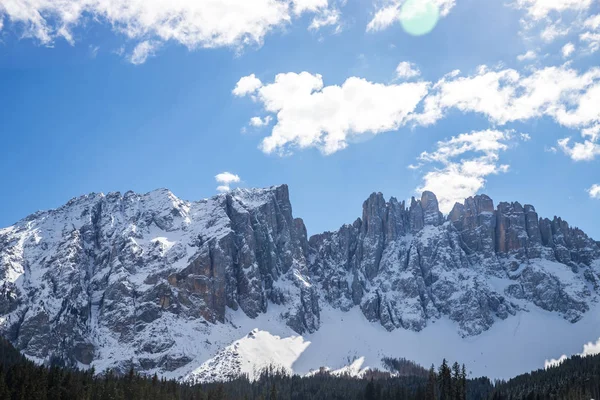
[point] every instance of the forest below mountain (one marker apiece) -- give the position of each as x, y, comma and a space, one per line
576, 378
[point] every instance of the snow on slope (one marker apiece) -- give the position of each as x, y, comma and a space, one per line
250, 355
347, 343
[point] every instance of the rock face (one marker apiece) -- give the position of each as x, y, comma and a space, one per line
123, 280
408, 267
113, 268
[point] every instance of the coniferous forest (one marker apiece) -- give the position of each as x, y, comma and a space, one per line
576, 378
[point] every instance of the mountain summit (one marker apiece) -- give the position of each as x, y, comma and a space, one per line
162, 284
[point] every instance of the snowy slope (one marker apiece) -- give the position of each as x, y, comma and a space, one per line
348, 343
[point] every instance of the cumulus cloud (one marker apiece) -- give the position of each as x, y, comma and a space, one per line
504, 96
389, 12
568, 49
462, 164
310, 114
246, 85
192, 23
594, 192
507, 96
529, 55
585, 151
226, 179
589, 349
259, 122
407, 70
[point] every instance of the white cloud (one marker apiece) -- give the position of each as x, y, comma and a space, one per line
589, 349
466, 160
594, 192
552, 19
192, 23
260, 122
329, 17
593, 132
540, 9
529, 55
568, 49
407, 70
225, 179
592, 22
585, 151
554, 30
142, 51
504, 96
223, 188
591, 36
389, 13
246, 85
592, 39
310, 114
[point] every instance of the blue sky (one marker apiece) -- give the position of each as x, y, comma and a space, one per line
98, 97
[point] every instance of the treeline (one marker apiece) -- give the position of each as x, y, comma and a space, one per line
577, 378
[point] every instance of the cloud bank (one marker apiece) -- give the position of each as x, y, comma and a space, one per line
192, 23
309, 113
462, 163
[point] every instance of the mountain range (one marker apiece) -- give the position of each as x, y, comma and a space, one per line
210, 289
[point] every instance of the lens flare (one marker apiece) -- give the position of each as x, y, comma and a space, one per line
419, 17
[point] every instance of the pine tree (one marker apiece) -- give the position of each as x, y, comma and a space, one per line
456, 388
431, 384
445, 381
463, 383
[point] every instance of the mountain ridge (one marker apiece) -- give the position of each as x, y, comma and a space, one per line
136, 279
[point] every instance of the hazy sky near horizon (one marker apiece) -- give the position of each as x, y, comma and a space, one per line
336, 98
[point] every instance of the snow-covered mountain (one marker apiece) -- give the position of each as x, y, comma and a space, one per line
209, 289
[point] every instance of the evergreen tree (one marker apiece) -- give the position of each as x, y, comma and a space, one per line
463, 383
456, 388
445, 381
431, 384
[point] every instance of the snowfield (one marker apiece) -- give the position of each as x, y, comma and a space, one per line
347, 343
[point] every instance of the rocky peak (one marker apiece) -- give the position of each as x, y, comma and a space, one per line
431, 210
124, 264
407, 266
415, 215
476, 222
